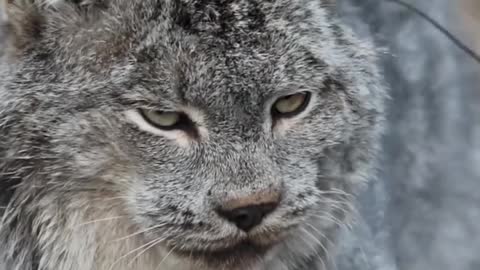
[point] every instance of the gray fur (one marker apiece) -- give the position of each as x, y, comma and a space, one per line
70, 156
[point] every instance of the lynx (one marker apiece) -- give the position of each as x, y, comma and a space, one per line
182, 135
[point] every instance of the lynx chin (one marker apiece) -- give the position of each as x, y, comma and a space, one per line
181, 134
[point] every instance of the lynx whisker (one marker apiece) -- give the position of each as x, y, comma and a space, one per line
90, 222
139, 232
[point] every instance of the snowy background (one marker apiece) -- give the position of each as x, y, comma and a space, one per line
431, 165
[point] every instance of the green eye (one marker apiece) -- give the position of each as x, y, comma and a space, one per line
291, 105
161, 119
169, 121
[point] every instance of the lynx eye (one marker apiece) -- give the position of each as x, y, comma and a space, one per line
291, 105
167, 120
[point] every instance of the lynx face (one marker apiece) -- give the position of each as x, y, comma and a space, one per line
232, 134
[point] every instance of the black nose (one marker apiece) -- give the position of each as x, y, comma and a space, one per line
246, 218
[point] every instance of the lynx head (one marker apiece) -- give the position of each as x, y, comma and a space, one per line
229, 130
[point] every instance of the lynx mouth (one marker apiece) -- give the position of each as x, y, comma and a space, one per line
244, 253
236, 253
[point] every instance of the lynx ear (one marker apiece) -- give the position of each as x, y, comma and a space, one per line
26, 20
13, 9
23, 21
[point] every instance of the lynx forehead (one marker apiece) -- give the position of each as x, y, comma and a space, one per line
186, 134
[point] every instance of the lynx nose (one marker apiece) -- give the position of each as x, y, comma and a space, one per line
248, 212
246, 218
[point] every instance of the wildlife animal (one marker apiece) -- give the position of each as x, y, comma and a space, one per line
182, 135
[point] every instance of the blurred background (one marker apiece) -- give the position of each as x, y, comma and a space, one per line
430, 168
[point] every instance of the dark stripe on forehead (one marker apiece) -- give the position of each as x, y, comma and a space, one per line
219, 18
